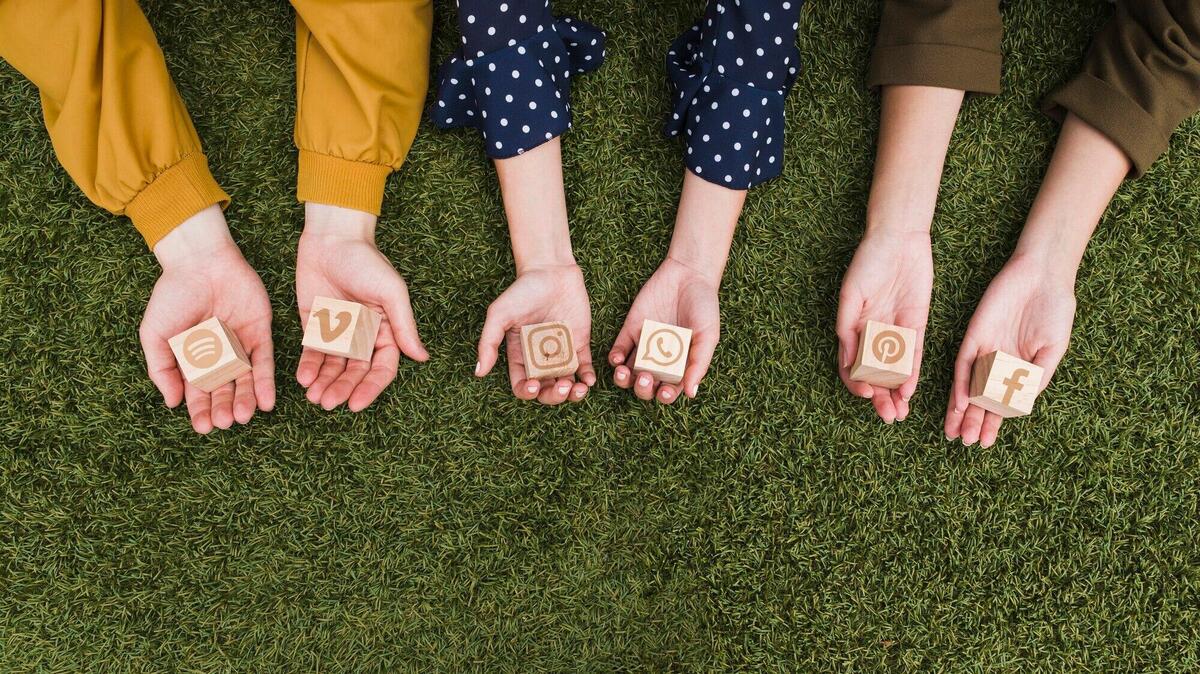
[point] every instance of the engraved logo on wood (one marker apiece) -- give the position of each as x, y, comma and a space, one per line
550, 346
888, 347
202, 349
664, 347
328, 332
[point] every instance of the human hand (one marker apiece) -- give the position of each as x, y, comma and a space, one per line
337, 258
1026, 311
204, 275
889, 280
540, 294
679, 295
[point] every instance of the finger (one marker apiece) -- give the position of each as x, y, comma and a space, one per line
262, 369
668, 394
585, 372
331, 369
311, 361
954, 418
990, 430
222, 406
384, 364
1048, 358
404, 325
644, 386
625, 342
526, 389
700, 356
972, 422
882, 400
900, 405
495, 328
859, 388
850, 306
908, 388
244, 401
578, 391
161, 367
963, 363
623, 376
340, 389
556, 392
199, 405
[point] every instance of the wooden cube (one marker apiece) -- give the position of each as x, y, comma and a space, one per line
209, 355
341, 328
885, 355
663, 351
1004, 384
549, 351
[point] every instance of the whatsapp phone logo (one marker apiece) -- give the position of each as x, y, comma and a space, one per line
664, 347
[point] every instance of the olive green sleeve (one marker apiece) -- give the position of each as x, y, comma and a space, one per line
953, 44
1140, 79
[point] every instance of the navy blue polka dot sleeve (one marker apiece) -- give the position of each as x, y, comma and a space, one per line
511, 76
729, 75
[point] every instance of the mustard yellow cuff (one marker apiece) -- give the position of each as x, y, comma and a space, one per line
325, 179
173, 196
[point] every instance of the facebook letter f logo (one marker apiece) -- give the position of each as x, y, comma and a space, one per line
1014, 383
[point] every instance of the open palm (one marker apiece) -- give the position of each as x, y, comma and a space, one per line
679, 295
354, 270
889, 280
1023, 312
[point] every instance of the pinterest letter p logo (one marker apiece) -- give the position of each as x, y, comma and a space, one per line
888, 347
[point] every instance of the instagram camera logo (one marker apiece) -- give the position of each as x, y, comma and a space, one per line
550, 346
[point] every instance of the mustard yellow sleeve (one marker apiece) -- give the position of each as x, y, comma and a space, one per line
362, 71
115, 119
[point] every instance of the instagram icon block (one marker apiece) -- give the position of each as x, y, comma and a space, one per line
209, 355
885, 355
549, 351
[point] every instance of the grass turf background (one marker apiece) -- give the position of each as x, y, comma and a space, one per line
773, 523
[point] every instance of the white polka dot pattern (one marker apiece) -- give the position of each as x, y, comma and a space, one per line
730, 74
517, 94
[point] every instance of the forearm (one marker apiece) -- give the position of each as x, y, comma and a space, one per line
536, 206
704, 226
1085, 172
915, 126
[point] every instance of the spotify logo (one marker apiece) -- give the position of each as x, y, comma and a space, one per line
202, 349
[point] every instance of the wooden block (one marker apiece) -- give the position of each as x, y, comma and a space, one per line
885, 355
209, 355
663, 351
341, 328
549, 351
1004, 384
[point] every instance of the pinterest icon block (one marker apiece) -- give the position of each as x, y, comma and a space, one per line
885, 355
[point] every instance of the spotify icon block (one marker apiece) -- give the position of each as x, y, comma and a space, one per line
663, 351
209, 355
885, 355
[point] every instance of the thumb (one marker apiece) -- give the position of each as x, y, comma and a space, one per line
495, 324
161, 367
404, 325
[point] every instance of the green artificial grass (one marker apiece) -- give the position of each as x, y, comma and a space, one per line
772, 524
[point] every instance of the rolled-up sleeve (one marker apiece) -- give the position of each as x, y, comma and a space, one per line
511, 76
954, 44
1141, 77
730, 74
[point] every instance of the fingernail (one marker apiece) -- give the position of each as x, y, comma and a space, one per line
868, 396
621, 376
958, 410
643, 380
477, 366
532, 387
666, 395
695, 389
563, 388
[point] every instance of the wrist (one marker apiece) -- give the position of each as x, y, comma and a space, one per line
709, 267
547, 260
1052, 267
200, 237
335, 223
